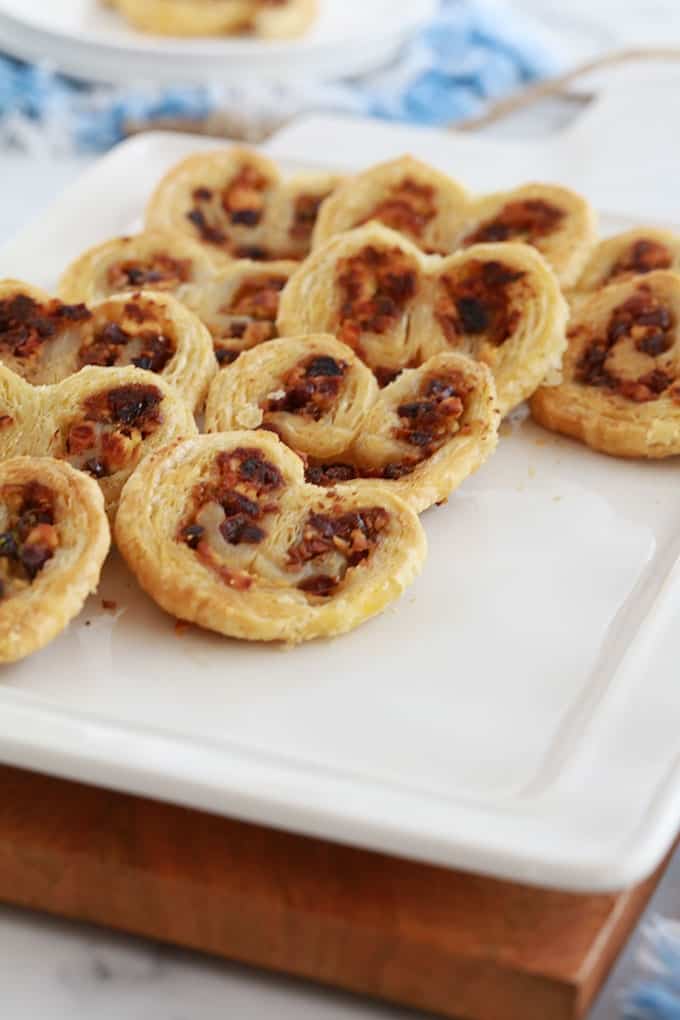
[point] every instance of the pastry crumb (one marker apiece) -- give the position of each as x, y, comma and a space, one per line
557, 499
532, 472
181, 627
110, 605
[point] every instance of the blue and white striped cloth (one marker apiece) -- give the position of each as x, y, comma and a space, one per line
656, 993
473, 51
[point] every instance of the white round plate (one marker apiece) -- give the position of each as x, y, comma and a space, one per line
84, 39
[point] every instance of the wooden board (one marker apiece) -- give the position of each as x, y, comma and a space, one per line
442, 941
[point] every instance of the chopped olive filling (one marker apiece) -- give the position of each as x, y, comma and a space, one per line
642, 257
26, 325
311, 388
158, 272
113, 424
331, 545
230, 510
479, 302
527, 220
376, 287
629, 358
110, 344
29, 536
241, 203
409, 208
251, 317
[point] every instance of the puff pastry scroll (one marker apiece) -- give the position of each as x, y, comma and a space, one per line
153, 260
396, 307
223, 531
406, 195
44, 340
558, 222
272, 19
235, 202
54, 538
421, 436
102, 421
633, 253
621, 376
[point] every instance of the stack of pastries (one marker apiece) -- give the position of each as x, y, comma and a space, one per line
261, 392
268, 19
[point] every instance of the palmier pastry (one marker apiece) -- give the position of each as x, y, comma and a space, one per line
621, 377
406, 195
633, 253
45, 341
273, 19
240, 305
102, 420
557, 221
54, 537
154, 260
236, 202
421, 436
397, 307
223, 531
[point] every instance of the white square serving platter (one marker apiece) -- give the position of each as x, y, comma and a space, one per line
516, 713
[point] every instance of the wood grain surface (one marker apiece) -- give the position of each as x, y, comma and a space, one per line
442, 941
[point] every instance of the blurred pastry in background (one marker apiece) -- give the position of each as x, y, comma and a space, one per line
269, 19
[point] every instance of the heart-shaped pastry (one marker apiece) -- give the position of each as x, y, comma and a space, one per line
621, 376
406, 195
560, 223
44, 340
396, 307
223, 531
153, 260
54, 538
235, 201
421, 436
271, 19
633, 253
238, 301
101, 420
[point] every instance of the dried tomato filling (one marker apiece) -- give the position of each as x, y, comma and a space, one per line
642, 257
409, 208
480, 301
629, 358
230, 510
26, 325
111, 344
305, 214
376, 287
527, 220
241, 203
311, 388
158, 272
251, 316
330, 546
330, 474
106, 437
29, 537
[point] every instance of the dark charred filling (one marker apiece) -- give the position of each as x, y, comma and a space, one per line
241, 203
311, 387
159, 272
305, 214
408, 208
110, 345
30, 538
111, 425
243, 492
528, 219
478, 302
645, 322
254, 308
26, 325
352, 535
330, 474
644, 256
375, 286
